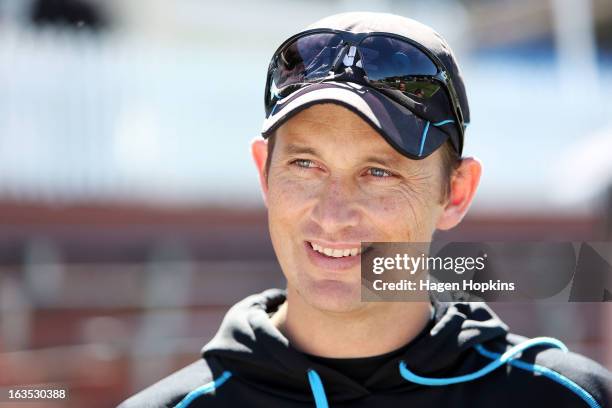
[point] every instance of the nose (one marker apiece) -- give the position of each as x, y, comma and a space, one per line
336, 207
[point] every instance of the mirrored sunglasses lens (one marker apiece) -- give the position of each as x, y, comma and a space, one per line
388, 57
396, 64
306, 59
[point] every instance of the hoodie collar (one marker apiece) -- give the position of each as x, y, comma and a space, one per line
250, 346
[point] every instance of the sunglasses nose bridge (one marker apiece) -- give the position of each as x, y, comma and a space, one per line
340, 57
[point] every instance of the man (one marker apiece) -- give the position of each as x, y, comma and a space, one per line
364, 134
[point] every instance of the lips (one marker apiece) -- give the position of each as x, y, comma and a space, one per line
333, 256
336, 252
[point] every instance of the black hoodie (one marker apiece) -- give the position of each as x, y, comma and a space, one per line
464, 357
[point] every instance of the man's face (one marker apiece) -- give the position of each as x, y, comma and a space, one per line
334, 182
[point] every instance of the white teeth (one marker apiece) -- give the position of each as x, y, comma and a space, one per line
336, 253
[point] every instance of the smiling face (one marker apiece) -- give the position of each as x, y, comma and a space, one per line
334, 182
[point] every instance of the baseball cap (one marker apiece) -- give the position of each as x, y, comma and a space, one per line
414, 129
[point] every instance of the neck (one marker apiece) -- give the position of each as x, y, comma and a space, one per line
375, 329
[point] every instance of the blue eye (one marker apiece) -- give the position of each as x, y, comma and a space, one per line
303, 163
376, 172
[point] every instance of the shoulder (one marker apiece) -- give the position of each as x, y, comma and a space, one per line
565, 376
575, 372
170, 390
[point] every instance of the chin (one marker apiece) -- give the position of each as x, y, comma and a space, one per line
332, 295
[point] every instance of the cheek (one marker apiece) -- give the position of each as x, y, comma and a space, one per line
392, 216
287, 197
402, 215
289, 201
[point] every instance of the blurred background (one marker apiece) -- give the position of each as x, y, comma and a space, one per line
130, 215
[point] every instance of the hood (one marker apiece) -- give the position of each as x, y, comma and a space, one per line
252, 349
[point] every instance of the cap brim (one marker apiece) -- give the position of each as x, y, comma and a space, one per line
409, 134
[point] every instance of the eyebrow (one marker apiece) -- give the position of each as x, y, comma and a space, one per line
299, 149
383, 159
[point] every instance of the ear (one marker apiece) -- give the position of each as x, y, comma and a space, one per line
259, 151
463, 185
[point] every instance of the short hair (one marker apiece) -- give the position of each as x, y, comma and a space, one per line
450, 162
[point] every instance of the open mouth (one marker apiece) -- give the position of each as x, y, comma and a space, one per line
335, 252
344, 257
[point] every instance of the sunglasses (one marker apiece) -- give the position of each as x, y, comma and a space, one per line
398, 67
